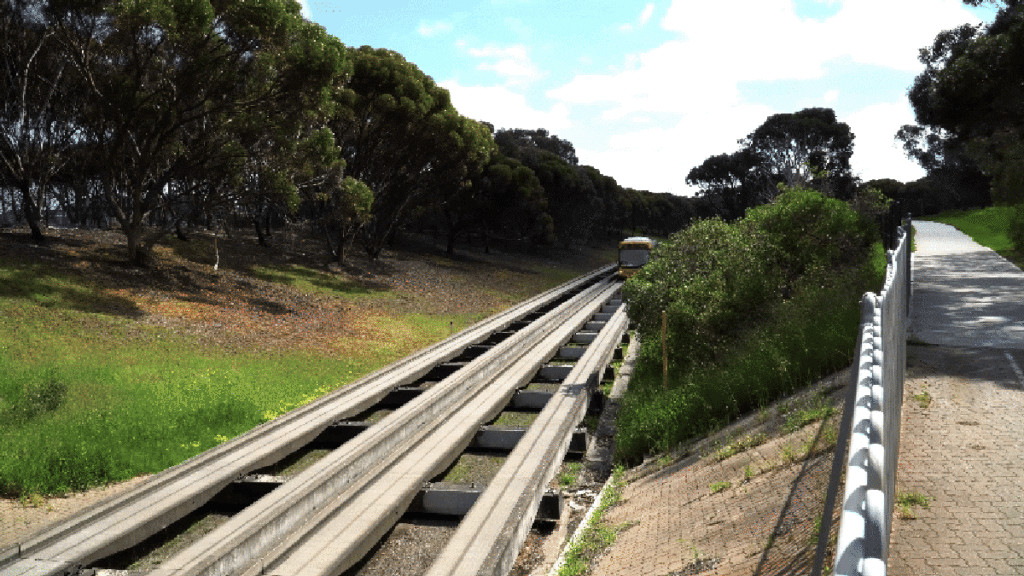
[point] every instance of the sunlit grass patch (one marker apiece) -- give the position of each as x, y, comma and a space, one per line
80, 408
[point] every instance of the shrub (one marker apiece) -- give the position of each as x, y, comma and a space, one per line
715, 280
754, 309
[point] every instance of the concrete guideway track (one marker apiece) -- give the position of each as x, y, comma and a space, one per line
489, 538
324, 519
128, 519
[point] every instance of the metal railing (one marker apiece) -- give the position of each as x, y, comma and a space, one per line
872, 423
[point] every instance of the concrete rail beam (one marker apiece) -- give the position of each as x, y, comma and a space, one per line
491, 535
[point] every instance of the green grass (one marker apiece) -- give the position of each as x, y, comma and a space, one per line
311, 280
102, 403
820, 409
598, 535
924, 399
906, 501
717, 487
986, 226
740, 445
569, 474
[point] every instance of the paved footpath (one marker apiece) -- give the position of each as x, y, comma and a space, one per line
962, 440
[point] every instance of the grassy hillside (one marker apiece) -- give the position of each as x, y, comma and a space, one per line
108, 371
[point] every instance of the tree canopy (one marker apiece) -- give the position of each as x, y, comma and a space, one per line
969, 106
161, 115
806, 148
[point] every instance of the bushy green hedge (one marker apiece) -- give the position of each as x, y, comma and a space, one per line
753, 308
715, 279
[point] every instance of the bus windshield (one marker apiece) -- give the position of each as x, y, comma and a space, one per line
631, 257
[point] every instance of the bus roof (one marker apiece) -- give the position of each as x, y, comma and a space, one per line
637, 240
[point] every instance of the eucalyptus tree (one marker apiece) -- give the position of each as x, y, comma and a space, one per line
731, 183
504, 198
969, 105
806, 148
402, 138
38, 104
168, 80
569, 191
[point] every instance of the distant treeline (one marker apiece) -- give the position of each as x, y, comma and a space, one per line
159, 116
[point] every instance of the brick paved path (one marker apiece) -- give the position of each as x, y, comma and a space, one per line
965, 451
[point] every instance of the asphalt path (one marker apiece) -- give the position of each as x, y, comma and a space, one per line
964, 293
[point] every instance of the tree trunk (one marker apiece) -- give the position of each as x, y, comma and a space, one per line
452, 232
31, 211
133, 238
340, 256
259, 231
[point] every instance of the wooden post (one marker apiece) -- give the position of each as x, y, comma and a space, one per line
664, 349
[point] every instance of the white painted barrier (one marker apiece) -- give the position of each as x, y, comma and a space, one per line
863, 545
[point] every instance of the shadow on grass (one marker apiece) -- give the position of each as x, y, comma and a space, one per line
41, 285
296, 275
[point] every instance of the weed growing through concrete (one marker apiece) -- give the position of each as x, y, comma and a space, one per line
906, 501
740, 445
788, 455
819, 410
570, 473
598, 535
717, 487
924, 399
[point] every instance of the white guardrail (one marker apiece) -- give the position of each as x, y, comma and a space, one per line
863, 545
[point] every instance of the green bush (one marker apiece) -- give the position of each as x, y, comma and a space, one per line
754, 309
715, 280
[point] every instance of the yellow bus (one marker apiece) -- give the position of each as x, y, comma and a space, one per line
634, 252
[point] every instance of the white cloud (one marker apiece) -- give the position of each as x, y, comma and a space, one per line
432, 29
659, 158
644, 18
765, 39
892, 41
512, 63
669, 78
304, 5
504, 108
695, 78
876, 153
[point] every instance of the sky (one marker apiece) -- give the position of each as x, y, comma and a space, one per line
645, 91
